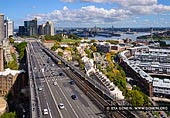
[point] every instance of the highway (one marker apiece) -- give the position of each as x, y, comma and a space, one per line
100, 95
45, 72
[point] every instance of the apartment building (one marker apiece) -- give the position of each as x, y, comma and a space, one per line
137, 69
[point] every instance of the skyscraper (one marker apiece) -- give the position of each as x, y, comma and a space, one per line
30, 28
26, 28
49, 28
1, 26
8, 28
33, 27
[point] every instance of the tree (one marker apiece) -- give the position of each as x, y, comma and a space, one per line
9, 115
93, 41
60, 54
48, 37
93, 48
73, 36
57, 37
88, 52
108, 57
13, 65
135, 98
11, 40
21, 49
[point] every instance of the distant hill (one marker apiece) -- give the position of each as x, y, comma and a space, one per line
158, 36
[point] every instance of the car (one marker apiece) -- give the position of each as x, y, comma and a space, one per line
74, 97
60, 74
40, 88
61, 105
45, 111
72, 82
23, 116
23, 110
55, 83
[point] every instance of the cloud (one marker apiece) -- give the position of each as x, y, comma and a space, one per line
84, 15
125, 2
65, 8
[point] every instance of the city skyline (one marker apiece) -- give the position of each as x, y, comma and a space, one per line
90, 13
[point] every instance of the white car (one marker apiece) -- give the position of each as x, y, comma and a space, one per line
55, 83
40, 88
45, 111
61, 105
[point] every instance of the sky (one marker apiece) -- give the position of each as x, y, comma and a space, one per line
89, 13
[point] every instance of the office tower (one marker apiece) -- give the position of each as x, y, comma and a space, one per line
49, 28
30, 27
33, 27
41, 29
1, 58
26, 28
21, 31
8, 28
1, 27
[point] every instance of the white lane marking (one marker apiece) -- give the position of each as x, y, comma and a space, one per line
51, 94
49, 110
67, 100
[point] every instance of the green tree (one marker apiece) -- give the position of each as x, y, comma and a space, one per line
88, 52
57, 37
93, 41
60, 54
11, 40
135, 98
48, 37
73, 36
93, 48
13, 65
9, 115
21, 49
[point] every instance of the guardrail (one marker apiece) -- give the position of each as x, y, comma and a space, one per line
34, 109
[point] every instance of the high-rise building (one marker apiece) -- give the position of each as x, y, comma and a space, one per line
41, 29
1, 26
21, 31
33, 27
26, 28
49, 28
1, 58
30, 28
8, 28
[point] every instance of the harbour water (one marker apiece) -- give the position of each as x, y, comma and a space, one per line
124, 36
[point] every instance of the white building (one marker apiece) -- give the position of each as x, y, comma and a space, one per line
8, 28
89, 65
49, 28
114, 90
161, 86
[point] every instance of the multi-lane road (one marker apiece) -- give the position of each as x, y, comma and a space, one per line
48, 96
